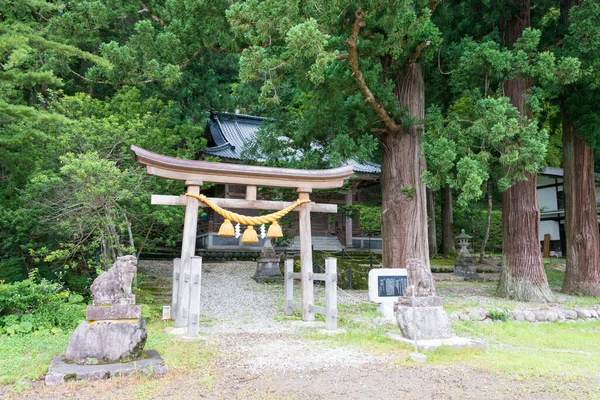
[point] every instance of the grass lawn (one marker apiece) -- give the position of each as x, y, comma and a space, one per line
559, 353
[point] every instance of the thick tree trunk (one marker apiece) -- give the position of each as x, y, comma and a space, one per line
488, 224
448, 246
523, 277
431, 231
581, 218
404, 210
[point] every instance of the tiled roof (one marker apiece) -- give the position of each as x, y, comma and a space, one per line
551, 171
231, 133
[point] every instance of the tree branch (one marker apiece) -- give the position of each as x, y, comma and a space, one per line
359, 77
417, 52
154, 16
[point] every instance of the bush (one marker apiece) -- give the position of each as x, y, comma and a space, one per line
28, 305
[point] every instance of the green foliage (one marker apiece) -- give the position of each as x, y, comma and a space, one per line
32, 305
370, 218
499, 315
473, 219
296, 64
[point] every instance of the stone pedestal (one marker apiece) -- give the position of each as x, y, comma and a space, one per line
432, 322
466, 271
108, 341
267, 268
112, 338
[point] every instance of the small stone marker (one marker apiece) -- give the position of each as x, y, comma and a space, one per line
166, 314
464, 266
267, 265
385, 286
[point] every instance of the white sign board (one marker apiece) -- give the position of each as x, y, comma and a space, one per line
385, 286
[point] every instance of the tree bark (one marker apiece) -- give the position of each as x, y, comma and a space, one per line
404, 210
581, 219
488, 224
448, 246
431, 228
523, 277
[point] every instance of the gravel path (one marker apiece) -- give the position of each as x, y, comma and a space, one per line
245, 318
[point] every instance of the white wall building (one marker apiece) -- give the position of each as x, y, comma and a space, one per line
552, 207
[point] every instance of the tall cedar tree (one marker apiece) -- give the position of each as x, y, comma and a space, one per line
579, 188
523, 276
358, 67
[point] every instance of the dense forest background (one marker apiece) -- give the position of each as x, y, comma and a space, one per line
80, 81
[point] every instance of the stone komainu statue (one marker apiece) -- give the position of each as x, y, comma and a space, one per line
420, 277
114, 286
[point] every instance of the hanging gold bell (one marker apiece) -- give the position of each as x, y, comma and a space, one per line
226, 228
274, 230
250, 235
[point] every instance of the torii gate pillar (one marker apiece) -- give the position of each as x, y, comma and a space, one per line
188, 250
306, 262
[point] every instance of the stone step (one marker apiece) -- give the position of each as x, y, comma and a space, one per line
320, 243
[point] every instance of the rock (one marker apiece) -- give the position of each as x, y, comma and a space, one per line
541, 316
464, 317
561, 315
454, 316
61, 371
114, 286
529, 316
477, 314
432, 323
570, 314
95, 313
106, 342
593, 313
583, 313
516, 315
552, 316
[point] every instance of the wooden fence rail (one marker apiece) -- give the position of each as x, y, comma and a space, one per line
330, 277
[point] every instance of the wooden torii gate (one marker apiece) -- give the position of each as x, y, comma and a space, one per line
196, 173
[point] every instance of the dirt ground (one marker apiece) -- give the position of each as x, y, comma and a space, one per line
258, 355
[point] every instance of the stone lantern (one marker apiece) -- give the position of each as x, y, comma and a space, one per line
464, 265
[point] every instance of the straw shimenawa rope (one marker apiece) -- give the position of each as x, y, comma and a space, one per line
245, 220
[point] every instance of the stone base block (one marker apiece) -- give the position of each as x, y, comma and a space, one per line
95, 313
420, 301
467, 272
61, 370
431, 345
418, 357
432, 322
267, 270
107, 342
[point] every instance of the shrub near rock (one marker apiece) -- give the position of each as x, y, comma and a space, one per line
30, 305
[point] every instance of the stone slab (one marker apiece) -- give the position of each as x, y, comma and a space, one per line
176, 331
455, 342
418, 357
309, 324
100, 313
62, 371
431, 322
420, 301
332, 331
